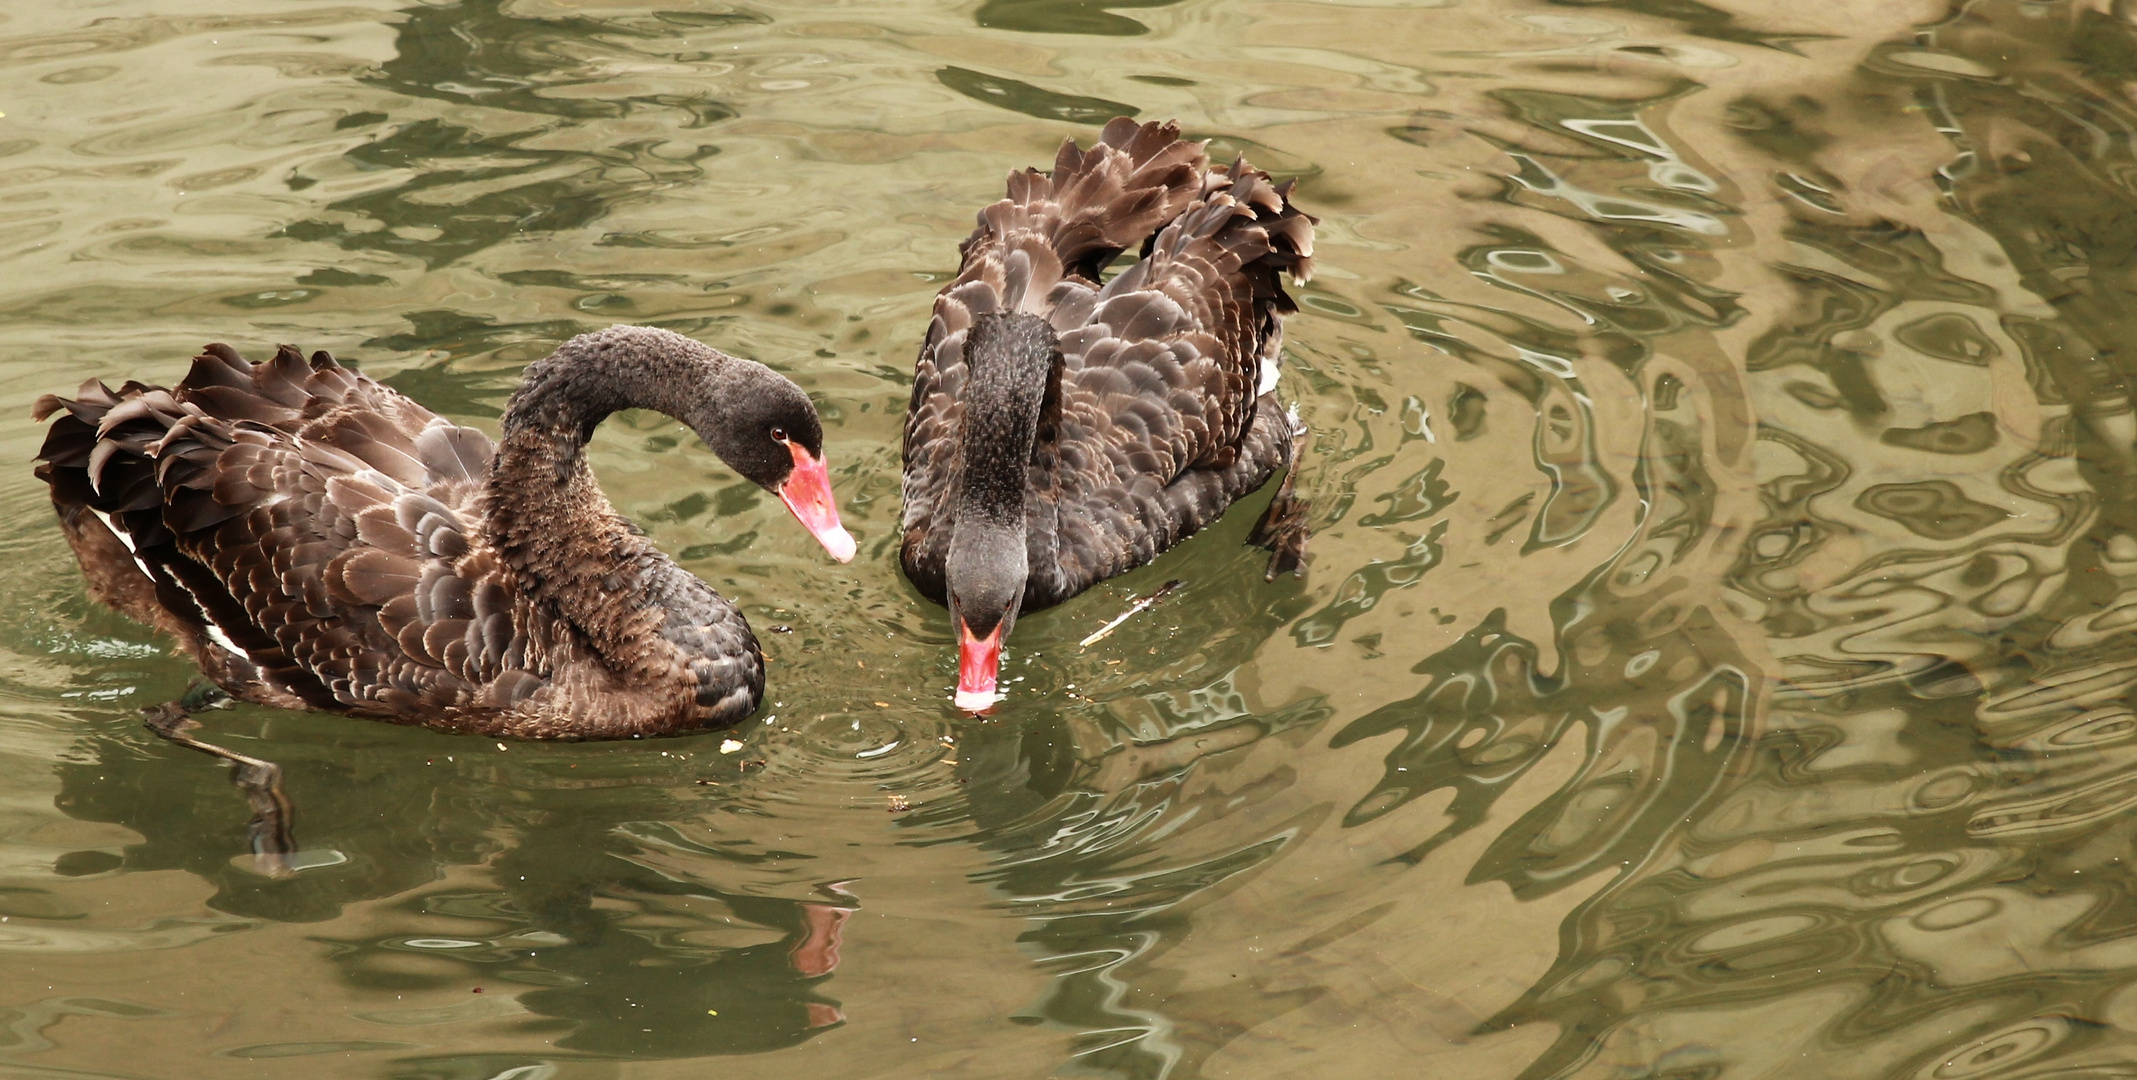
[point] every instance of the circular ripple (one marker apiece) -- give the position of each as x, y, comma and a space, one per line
853, 738
881, 758
1998, 1052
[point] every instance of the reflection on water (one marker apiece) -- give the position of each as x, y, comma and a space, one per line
1718, 659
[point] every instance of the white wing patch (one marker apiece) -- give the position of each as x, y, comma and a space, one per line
215, 633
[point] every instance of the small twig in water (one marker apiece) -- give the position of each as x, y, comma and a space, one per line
1141, 604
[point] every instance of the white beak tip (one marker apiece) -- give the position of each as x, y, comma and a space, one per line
839, 543
977, 700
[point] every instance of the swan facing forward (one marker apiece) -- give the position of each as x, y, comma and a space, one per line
316, 540
1064, 430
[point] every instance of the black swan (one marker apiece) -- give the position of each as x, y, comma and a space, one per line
1064, 430
316, 540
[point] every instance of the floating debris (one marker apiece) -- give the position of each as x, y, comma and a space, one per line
871, 755
1142, 604
729, 746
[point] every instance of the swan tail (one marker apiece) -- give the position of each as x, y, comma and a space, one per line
237, 495
1095, 203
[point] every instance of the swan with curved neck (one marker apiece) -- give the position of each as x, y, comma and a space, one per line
316, 540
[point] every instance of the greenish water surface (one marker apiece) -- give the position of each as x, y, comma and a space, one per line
1716, 660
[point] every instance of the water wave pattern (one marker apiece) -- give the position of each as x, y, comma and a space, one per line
1717, 657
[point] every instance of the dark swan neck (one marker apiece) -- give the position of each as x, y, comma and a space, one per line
544, 513
561, 399
1011, 363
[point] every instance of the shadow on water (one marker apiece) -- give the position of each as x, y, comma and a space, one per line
625, 960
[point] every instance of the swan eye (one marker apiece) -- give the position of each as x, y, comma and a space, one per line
779, 434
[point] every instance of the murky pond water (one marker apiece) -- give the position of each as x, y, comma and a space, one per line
1716, 661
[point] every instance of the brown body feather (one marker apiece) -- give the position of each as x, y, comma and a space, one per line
315, 539
1162, 413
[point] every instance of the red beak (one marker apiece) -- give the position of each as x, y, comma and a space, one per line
979, 662
807, 493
